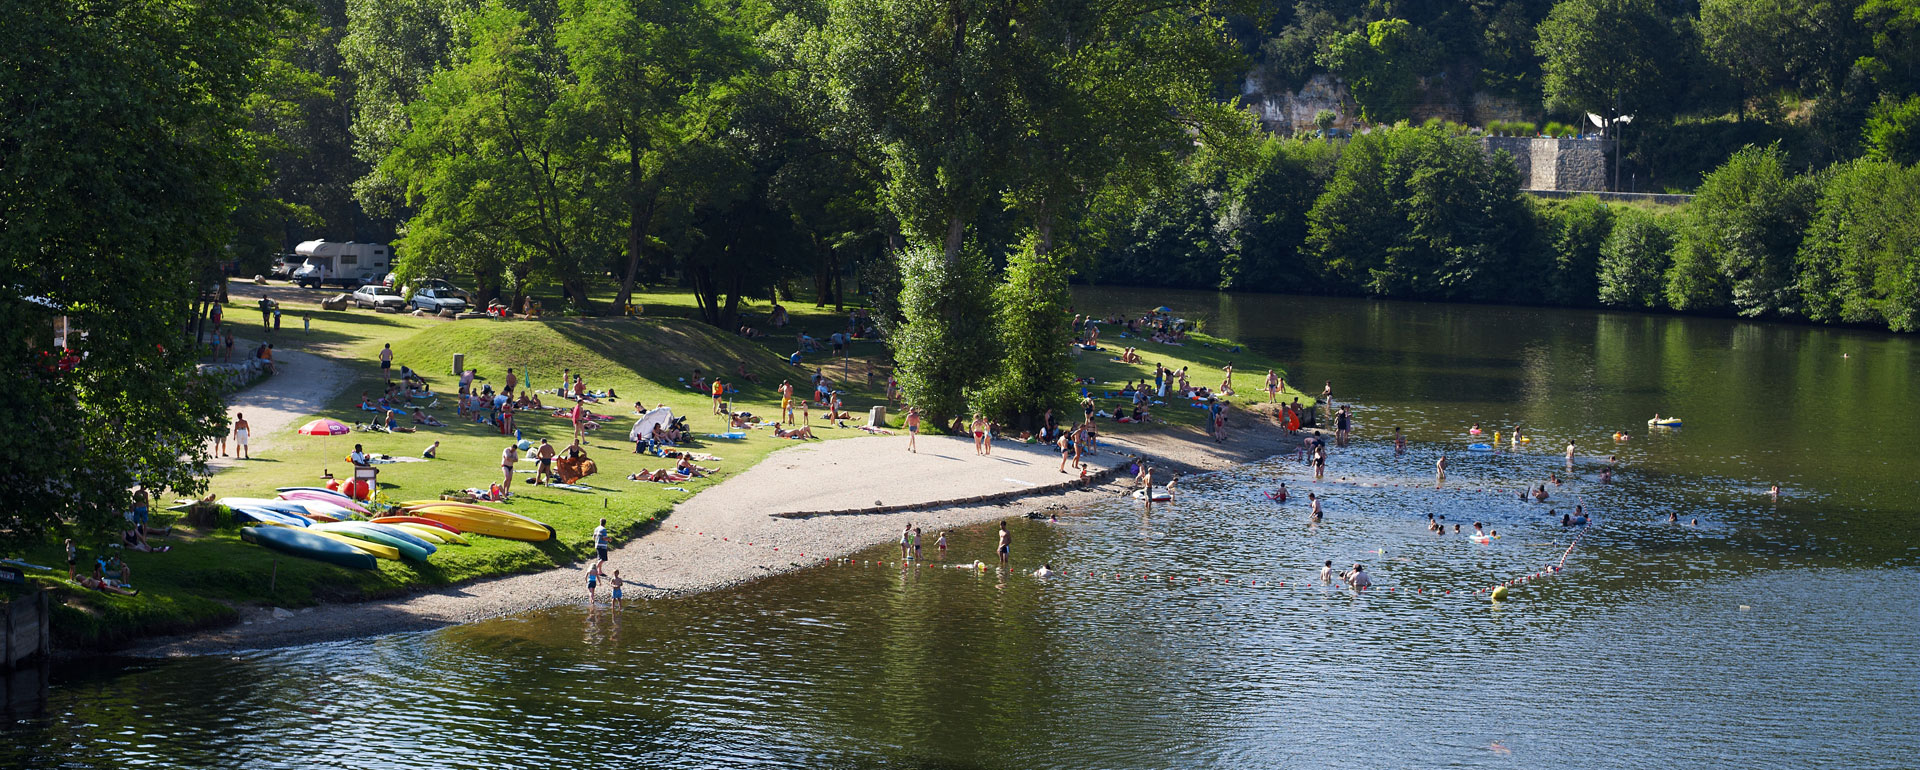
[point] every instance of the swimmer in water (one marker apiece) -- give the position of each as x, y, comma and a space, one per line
1280, 495
1043, 571
1477, 532
1493, 534
1358, 578
1399, 441
1170, 482
1475, 430
1673, 517
1440, 471
1326, 574
1606, 475
1693, 523
1553, 477
1315, 500
1775, 491
1456, 529
1541, 493
1431, 524
1565, 520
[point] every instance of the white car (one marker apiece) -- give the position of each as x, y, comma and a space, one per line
376, 296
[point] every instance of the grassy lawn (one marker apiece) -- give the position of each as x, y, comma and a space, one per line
648, 359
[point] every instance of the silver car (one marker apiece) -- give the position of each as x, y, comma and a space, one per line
435, 299
375, 296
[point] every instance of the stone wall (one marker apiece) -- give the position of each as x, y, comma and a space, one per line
1554, 164
237, 375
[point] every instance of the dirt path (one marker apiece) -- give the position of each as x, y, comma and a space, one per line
728, 534
301, 385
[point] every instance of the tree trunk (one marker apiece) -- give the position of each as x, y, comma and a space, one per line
639, 218
956, 237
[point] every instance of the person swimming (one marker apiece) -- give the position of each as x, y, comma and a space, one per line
1280, 495
1326, 573
1043, 571
1475, 430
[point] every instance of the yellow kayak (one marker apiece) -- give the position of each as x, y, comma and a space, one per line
477, 522
382, 551
430, 534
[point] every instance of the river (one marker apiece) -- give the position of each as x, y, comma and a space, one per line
1753, 632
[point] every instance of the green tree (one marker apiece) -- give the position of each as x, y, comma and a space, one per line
122, 155
1893, 130
1743, 230
1574, 234
1860, 260
1035, 371
942, 348
650, 75
1634, 260
1382, 66
1609, 57
500, 167
1415, 212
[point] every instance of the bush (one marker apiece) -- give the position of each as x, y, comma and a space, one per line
1416, 213
1035, 372
1573, 232
1860, 260
943, 348
1634, 260
1738, 248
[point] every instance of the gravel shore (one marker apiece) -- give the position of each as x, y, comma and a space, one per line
729, 534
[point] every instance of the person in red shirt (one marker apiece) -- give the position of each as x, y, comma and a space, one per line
579, 419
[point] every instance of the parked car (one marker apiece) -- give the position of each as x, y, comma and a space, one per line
435, 299
375, 296
446, 288
285, 264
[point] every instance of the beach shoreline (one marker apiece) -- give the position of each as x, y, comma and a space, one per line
734, 533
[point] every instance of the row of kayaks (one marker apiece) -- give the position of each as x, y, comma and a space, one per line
320, 524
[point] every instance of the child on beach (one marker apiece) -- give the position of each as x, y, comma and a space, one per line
941, 544
593, 582
616, 583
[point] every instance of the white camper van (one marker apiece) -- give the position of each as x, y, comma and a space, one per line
346, 264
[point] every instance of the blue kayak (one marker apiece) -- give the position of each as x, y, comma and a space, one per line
409, 545
1480, 447
299, 542
269, 516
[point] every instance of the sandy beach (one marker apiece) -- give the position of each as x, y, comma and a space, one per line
729, 534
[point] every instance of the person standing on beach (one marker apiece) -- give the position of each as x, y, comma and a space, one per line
386, 362
508, 457
906, 542
543, 465
978, 427
719, 395
593, 582
220, 441
913, 427
240, 431
616, 583
1273, 386
1226, 386
1006, 544
600, 540
513, 381
786, 400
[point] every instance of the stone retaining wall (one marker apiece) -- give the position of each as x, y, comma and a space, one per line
235, 376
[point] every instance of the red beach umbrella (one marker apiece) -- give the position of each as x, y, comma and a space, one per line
325, 427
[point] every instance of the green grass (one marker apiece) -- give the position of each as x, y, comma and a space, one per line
210, 573
643, 359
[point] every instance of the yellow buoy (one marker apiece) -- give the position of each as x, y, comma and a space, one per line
1500, 594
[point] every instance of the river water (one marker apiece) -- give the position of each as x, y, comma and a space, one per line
1771, 633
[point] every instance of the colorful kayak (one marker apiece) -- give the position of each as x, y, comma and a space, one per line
1479, 447
1160, 494
476, 511
443, 526
310, 545
324, 497
430, 534
374, 549
268, 516
320, 490
475, 522
1665, 422
411, 547
319, 510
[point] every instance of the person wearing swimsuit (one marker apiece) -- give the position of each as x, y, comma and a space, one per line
913, 428
1006, 544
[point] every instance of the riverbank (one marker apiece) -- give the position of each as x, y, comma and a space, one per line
736, 532
212, 582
